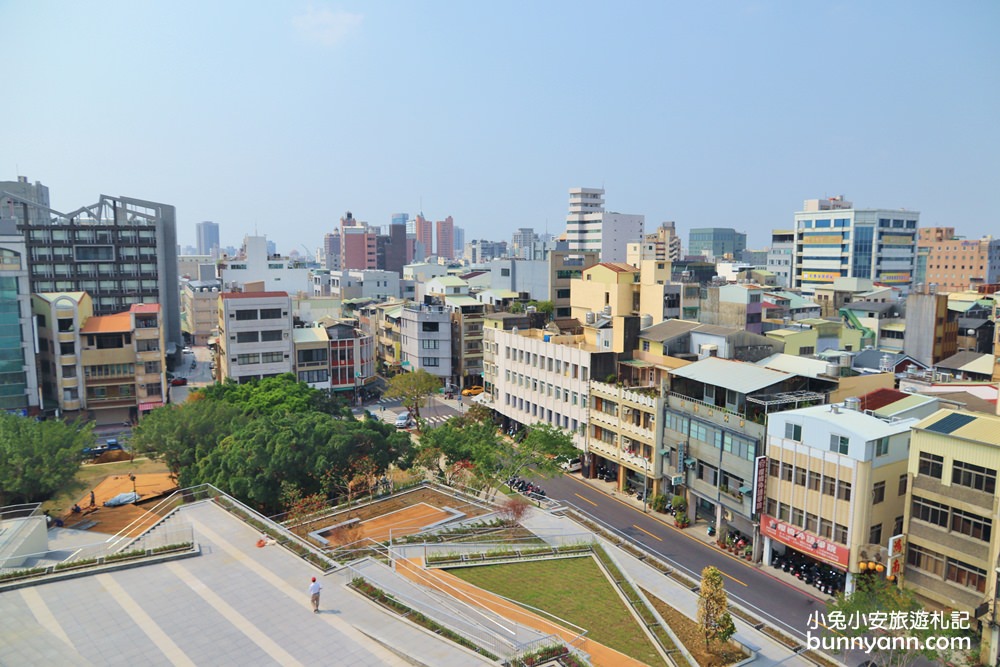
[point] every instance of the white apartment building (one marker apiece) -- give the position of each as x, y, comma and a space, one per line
541, 377
367, 284
835, 240
255, 264
590, 227
255, 335
425, 339
780, 256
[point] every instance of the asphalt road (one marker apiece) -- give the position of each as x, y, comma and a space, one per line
776, 602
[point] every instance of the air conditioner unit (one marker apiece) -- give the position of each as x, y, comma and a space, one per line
727, 515
676, 480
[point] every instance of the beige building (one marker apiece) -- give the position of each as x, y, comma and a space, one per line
200, 310
255, 335
609, 288
836, 485
623, 430
951, 551
952, 263
110, 368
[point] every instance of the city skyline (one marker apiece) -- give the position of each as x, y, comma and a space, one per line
264, 117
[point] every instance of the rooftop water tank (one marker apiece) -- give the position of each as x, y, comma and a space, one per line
853, 403
646, 322
833, 370
591, 318
607, 311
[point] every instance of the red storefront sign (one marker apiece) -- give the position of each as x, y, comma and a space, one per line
760, 485
812, 545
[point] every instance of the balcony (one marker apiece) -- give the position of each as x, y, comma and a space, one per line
605, 449
67, 359
71, 404
70, 383
149, 333
148, 355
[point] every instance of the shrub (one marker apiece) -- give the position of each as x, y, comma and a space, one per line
658, 502
679, 503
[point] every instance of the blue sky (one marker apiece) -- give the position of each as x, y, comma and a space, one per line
280, 116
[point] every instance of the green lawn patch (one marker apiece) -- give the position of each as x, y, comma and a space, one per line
573, 589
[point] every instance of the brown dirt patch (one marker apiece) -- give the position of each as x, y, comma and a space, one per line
405, 521
136, 519
421, 496
114, 457
690, 635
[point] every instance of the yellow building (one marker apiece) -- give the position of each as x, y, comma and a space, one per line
798, 342
609, 288
951, 550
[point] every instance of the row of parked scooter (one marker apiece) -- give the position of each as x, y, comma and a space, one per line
525, 487
825, 578
606, 474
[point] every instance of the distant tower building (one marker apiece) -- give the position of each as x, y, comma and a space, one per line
446, 238
835, 240
331, 251
459, 241
667, 243
358, 244
716, 242
423, 229
272, 248
522, 241
208, 238
590, 227
955, 263
395, 247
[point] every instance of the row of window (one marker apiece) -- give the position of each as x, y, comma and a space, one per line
812, 480
962, 473
953, 519
258, 314
266, 336
108, 370
260, 358
557, 366
737, 445
542, 413
949, 569
547, 389
810, 522
91, 235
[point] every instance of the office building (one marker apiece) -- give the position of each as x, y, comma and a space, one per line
445, 237
459, 234
521, 242
780, 256
255, 338
425, 339
835, 240
423, 230
254, 264
331, 251
952, 263
396, 255
208, 239
590, 228
716, 242
120, 250
18, 376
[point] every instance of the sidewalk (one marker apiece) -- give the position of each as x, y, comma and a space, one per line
699, 530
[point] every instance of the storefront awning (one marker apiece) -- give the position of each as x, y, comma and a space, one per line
143, 407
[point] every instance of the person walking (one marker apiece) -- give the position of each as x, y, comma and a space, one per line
93, 500
314, 588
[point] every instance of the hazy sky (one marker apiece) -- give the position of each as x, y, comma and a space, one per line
280, 116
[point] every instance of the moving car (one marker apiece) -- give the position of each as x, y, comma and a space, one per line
472, 391
404, 420
178, 382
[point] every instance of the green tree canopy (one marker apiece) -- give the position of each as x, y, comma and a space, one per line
412, 389
282, 393
38, 458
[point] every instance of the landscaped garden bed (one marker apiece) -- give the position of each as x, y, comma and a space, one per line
688, 632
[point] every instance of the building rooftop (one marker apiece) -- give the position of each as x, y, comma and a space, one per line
909, 402
144, 308
976, 427
872, 306
858, 422
968, 362
617, 267
309, 335
738, 376
667, 330
448, 281
117, 323
52, 296
251, 295
462, 300
790, 363
880, 398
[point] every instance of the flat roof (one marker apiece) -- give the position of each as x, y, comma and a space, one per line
789, 363
462, 300
117, 323
736, 375
251, 295
310, 335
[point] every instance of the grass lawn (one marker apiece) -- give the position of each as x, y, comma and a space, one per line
574, 589
90, 475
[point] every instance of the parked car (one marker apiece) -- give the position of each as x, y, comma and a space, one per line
571, 465
472, 391
111, 444
178, 382
404, 420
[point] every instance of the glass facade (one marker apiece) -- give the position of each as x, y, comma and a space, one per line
13, 380
863, 239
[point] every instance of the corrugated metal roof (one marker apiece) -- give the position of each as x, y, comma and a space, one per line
462, 300
667, 329
736, 375
903, 404
449, 281
789, 363
970, 362
117, 323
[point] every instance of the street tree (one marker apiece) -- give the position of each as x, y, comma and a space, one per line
450, 449
538, 451
413, 389
874, 598
281, 393
38, 458
713, 608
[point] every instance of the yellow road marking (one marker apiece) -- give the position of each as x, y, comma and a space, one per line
648, 533
733, 578
585, 499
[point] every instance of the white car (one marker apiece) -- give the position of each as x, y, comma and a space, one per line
404, 420
572, 465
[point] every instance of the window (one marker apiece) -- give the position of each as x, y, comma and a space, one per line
809, 349
270, 313
787, 471
875, 534
839, 533
839, 444
793, 432
429, 326
925, 559
971, 524
897, 526
244, 315
271, 335
930, 511
773, 468
965, 575
271, 357
974, 477
882, 446
878, 493
246, 336
245, 359
815, 479
902, 486
931, 465
844, 490
800, 476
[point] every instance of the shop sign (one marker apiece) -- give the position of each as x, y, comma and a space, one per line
828, 276
760, 485
812, 545
894, 278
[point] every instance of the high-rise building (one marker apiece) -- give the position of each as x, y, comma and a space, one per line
358, 244
208, 238
122, 250
459, 234
590, 227
716, 242
445, 237
835, 240
424, 231
668, 243
396, 246
331, 250
779, 256
952, 263
18, 377
521, 242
